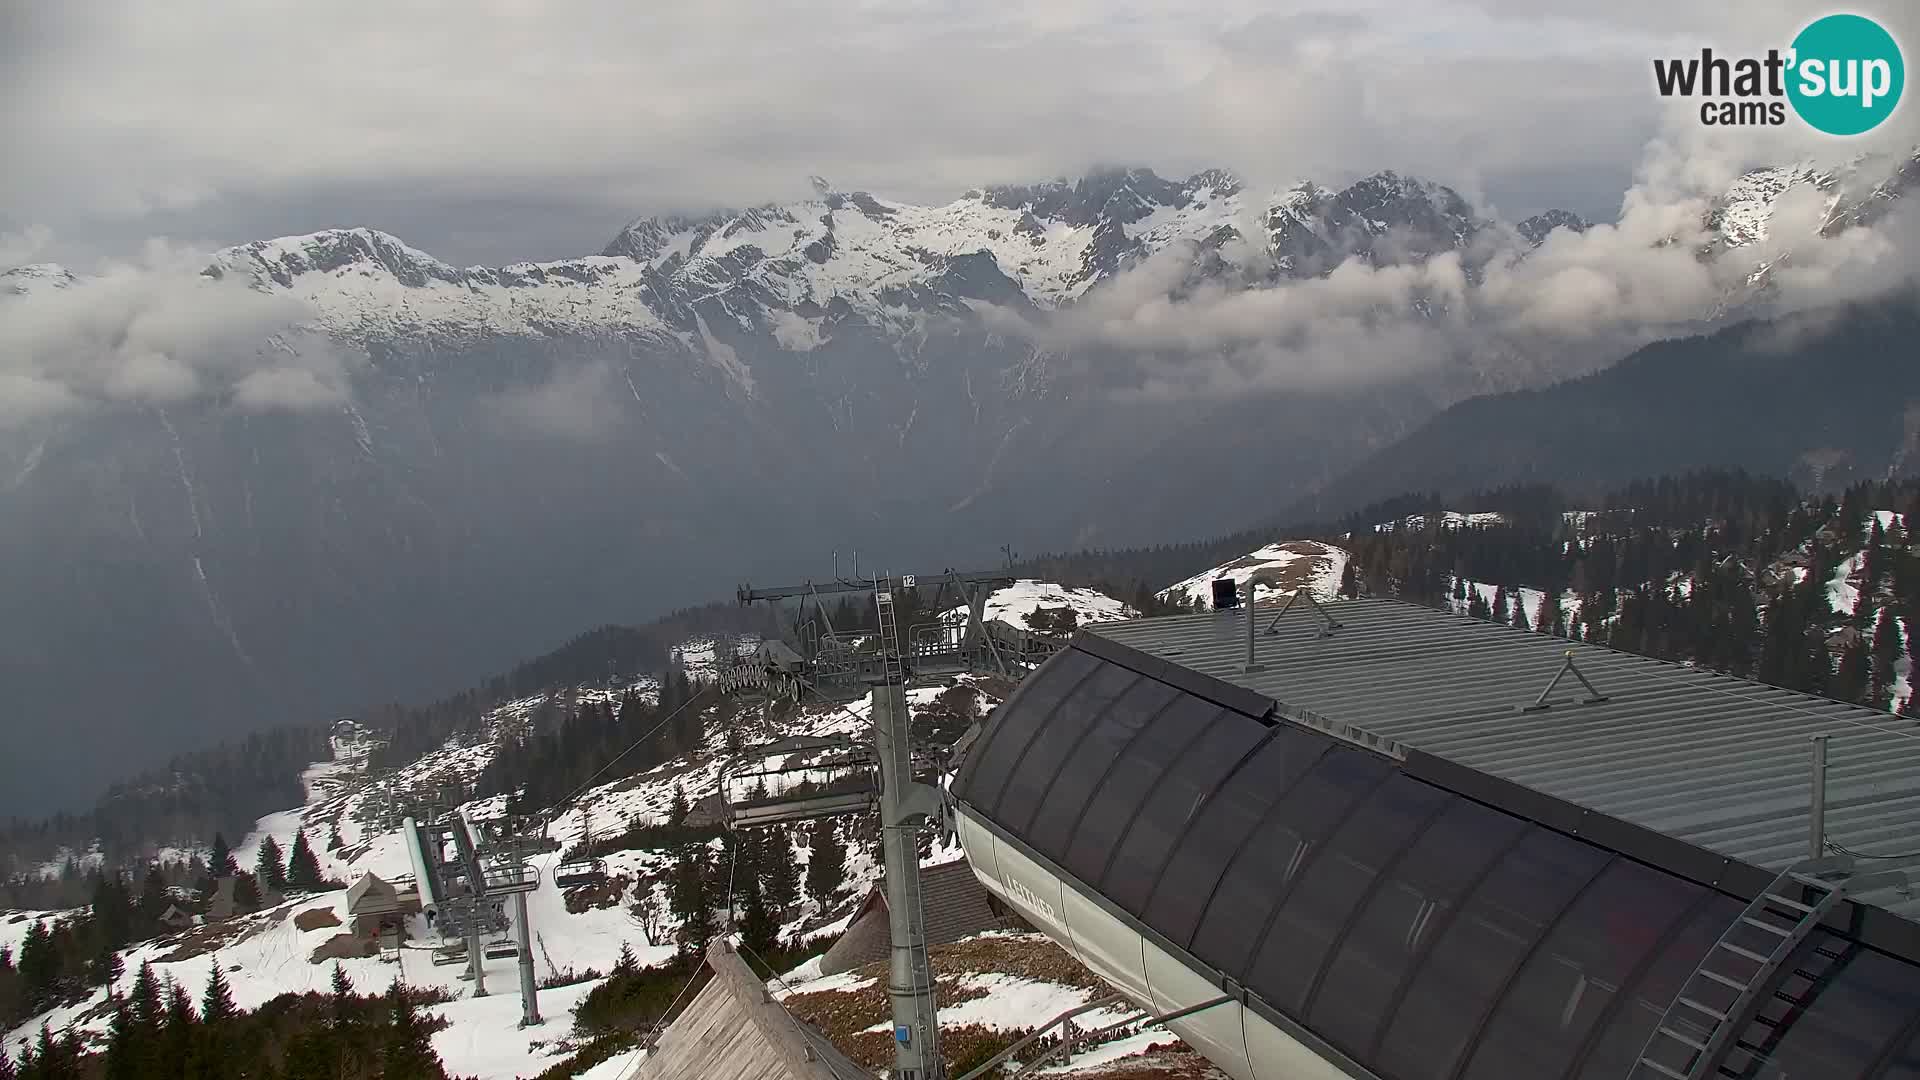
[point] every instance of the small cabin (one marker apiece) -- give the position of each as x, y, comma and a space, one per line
378, 908
175, 918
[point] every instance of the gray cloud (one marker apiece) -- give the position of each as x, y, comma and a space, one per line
1550, 311
446, 123
18, 248
577, 401
152, 331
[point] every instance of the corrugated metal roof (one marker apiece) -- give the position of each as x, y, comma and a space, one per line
1719, 762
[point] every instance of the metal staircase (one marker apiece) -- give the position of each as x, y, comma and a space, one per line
1698, 1032
891, 670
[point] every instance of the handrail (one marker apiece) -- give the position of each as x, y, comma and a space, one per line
997, 1060
1086, 1036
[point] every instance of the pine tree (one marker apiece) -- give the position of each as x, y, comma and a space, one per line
6, 1065
153, 894
270, 867
1349, 582
690, 903
246, 895
781, 887
826, 862
627, 963
1886, 657
1520, 613
216, 1003
678, 809
1500, 603
303, 868
149, 1010
123, 1044
408, 1051
176, 1041
220, 864
1546, 617
759, 933
334, 840
1850, 678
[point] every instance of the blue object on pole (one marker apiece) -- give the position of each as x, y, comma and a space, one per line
902, 1034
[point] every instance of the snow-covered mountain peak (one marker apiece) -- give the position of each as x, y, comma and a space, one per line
1537, 228
333, 250
34, 277
1743, 215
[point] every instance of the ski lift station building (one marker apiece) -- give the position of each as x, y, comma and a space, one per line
1382, 842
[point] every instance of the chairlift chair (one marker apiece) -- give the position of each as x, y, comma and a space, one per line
589, 871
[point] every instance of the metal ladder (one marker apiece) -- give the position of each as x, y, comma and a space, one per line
892, 671
1718, 1001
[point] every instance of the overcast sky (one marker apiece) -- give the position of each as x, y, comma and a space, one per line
498, 130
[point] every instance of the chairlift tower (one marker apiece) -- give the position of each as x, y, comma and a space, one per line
465, 872
834, 665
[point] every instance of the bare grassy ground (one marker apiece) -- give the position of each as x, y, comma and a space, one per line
844, 1014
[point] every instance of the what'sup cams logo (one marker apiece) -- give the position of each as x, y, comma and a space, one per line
1842, 75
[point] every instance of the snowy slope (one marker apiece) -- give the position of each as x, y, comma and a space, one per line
266, 954
1014, 603
1278, 569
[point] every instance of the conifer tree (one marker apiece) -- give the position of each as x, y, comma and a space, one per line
123, 1044
216, 1003
678, 809
1500, 603
153, 894
149, 1009
270, 867
176, 1041
781, 886
334, 840
303, 868
1520, 613
220, 864
690, 902
6, 1065
408, 1051
1546, 617
246, 895
826, 862
1851, 676
1886, 656
758, 930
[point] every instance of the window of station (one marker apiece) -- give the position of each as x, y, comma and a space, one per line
985, 772
1224, 824
1127, 784
1479, 951
1257, 879
1570, 982
1074, 783
1333, 885
1406, 913
1135, 866
1033, 771
1624, 1033
1846, 1028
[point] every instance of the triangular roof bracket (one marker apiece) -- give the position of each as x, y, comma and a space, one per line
1567, 666
1328, 624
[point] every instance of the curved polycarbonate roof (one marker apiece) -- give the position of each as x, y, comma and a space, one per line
1355, 889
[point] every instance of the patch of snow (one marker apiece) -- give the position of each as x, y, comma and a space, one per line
1280, 568
1015, 603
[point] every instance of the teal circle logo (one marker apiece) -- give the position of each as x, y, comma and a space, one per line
1846, 74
